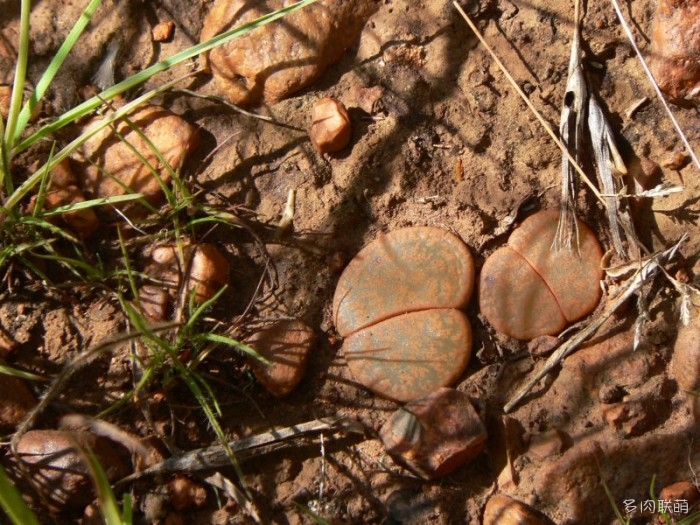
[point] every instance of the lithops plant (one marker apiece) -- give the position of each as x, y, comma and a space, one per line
527, 290
397, 304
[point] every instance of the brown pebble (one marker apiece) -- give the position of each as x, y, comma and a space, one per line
504, 510
186, 494
5, 98
107, 165
163, 31
274, 61
330, 126
286, 344
51, 457
680, 491
630, 418
155, 302
434, 434
675, 49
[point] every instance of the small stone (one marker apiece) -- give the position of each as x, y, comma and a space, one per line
675, 49
543, 345
504, 510
5, 98
527, 290
685, 362
286, 345
434, 434
205, 271
680, 491
631, 418
109, 166
64, 191
546, 444
155, 303
51, 457
274, 61
186, 494
163, 31
16, 399
330, 126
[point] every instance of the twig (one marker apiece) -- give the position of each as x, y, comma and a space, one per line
648, 270
216, 455
660, 95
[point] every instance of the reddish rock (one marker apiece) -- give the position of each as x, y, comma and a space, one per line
185, 493
528, 290
397, 304
675, 49
204, 269
631, 418
58, 468
330, 126
163, 31
276, 60
16, 399
503, 510
286, 345
63, 190
155, 302
110, 167
681, 491
435, 434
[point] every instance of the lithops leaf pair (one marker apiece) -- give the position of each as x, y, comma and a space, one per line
398, 306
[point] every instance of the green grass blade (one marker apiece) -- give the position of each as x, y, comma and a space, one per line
12, 503
105, 496
54, 66
91, 203
9, 371
17, 93
228, 341
141, 77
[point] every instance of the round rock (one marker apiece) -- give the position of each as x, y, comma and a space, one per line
286, 344
397, 305
527, 290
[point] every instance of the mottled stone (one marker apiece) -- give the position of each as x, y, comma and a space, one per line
286, 344
283, 57
504, 510
109, 166
185, 493
528, 290
58, 469
434, 434
675, 49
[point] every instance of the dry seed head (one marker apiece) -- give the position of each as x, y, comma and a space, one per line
330, 126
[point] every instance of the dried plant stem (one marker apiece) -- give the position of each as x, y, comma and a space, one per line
660, 95
530, 105
216, 456
647, 271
